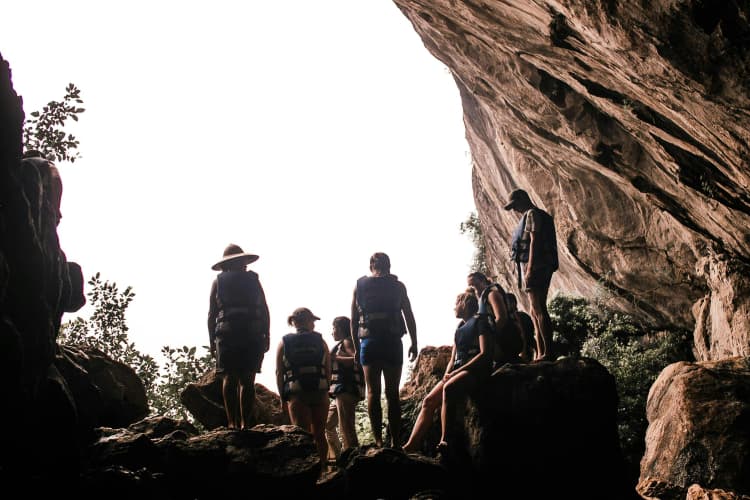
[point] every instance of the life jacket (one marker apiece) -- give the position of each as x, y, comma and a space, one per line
466, 339
485, 312
379, 304
507, 336
240, 304
304, 363
345, 379
547, 256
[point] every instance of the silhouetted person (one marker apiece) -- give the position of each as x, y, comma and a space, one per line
347, 389
303, 376
534, 249
379, 307
238, 330
470, 363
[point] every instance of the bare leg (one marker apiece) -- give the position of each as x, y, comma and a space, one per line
454, 390
430, 404
318, 417
374, 410
230, 392
392, 377
346, 405
247, 400
542, 322
332, 435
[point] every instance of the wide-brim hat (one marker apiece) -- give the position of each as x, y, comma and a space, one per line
516, 196
234, 254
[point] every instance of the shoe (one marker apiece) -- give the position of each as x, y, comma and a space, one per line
441, 448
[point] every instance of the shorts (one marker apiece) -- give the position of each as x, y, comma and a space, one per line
381, 351
238, 358
540, 280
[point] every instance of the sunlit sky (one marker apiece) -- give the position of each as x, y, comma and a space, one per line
310, 133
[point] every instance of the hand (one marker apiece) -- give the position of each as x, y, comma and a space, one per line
213, 352
413, 352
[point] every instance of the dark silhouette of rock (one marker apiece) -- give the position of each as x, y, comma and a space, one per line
204, 401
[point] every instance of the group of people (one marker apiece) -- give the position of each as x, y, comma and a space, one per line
320, 387
367, 348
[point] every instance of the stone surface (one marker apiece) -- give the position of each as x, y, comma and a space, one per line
628, 121
699, 429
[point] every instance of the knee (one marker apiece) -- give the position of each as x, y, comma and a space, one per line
430, 404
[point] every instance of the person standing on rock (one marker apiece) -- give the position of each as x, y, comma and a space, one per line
534, 249
470, 363
239, 333
379, 307
303, 377
347, 389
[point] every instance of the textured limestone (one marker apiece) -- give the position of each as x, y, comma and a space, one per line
628, 121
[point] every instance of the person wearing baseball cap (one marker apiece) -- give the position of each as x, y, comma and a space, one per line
303, 377
534, 250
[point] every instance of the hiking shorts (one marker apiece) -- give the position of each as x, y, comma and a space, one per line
540, 280
238, 357
381, 351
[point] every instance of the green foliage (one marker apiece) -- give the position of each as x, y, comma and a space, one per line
106, 330
44, 130
182, 366
633, 354
473, 228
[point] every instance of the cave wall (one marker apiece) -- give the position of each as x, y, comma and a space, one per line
626, 120
34, 292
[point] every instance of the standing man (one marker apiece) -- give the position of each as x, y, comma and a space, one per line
239, 334
379, 307
534, 249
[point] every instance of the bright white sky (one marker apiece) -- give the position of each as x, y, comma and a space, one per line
310, 133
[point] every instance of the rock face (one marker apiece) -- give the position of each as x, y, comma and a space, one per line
204, 401
628, 121
699, 429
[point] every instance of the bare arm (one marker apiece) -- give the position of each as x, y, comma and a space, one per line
533, 240
213, 311
411, 324
498, 308
345, 356
327, 363
280, 370
355, 326
449, 368
265, 318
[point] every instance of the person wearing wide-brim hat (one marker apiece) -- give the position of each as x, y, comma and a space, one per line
239, 332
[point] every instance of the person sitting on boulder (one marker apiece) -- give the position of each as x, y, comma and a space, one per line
470, 362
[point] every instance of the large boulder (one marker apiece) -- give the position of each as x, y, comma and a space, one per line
204, 401
699, 429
